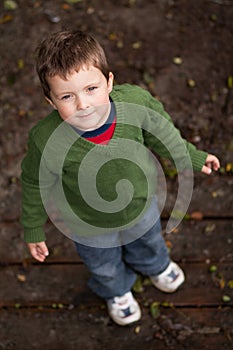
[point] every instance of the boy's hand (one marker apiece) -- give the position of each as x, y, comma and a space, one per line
212, 162
39, 250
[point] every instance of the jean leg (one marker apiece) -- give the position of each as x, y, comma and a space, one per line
110, 276
148, 254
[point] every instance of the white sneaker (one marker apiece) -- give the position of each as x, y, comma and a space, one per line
124, 310
169, 280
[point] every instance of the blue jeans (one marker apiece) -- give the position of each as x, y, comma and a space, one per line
114, 270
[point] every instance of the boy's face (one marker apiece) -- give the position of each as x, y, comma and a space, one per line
83, 98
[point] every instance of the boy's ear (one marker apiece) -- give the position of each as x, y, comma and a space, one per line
110, 82
50, 102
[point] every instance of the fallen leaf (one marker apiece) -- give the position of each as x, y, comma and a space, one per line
137, 45
10, 5
222, 283
90, 10
13, 179
167, 304
214, 96
22, 113
213, 268
147, 282
191, 83
196, 215
229, 167
65, 7
169, 244
222, 170
112, 36
210, 228
20, 63
21, 278
120, 44
219, 193
177, 60
138, 285
226, 298
154, 309
5, 19
230, 82
213, 17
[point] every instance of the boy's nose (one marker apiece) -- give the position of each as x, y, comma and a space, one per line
82, 104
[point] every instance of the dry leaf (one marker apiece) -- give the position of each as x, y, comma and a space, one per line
191, 83
196, 215
137, 45
21, 277
10, 5
137, 329
177, 60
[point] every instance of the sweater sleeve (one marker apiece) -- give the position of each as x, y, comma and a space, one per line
163, 138
33, 215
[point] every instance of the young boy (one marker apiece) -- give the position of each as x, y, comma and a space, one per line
76, 81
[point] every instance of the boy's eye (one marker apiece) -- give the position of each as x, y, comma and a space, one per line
91, 88
66, 97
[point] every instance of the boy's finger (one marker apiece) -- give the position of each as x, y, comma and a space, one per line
43, 249
38, 250
36, 254
206, 170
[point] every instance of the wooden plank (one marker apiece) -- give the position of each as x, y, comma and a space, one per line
211, 195
67, 284
192, 241
14, 250
92, 329
44, 284
205, 240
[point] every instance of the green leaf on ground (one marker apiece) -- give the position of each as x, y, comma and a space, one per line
154, 309
10, 5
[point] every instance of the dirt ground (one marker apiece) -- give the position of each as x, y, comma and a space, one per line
181, 51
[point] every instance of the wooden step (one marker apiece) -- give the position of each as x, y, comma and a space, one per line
46, 284
193, 240
92, 329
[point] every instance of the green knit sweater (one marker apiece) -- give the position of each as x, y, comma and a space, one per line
100, 187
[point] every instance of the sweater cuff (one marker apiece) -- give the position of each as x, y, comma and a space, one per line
199, 161
34, 235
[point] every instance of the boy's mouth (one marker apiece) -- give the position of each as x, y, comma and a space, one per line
85, 113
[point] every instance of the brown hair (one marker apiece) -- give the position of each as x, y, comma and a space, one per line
66, 51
